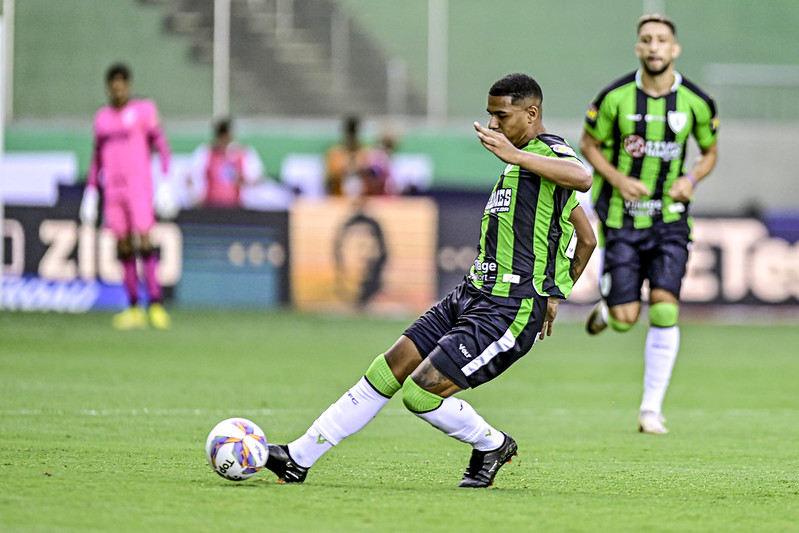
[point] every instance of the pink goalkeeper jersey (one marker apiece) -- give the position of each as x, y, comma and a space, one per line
123, 140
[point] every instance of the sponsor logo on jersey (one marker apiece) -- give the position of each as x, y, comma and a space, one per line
664, 150
714, 124
643, 207
499, 201
651, 207
677, 120
572, 247
562, 149
636, 146
483, 271
638, 117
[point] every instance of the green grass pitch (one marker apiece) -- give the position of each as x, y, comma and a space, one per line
104, 431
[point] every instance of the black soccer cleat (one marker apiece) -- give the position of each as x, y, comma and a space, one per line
284, 467
483, 466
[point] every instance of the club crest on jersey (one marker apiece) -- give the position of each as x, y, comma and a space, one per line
677, 120
128, 116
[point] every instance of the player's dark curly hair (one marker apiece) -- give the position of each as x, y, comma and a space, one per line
117, 69
519, 87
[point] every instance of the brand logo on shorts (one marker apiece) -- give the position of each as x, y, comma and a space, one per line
604, 284
464, 351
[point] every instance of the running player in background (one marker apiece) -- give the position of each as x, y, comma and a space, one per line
635, 137
125, 133
535, 241
221, 169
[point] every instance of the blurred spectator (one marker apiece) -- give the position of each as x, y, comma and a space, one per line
219, 171
353, 169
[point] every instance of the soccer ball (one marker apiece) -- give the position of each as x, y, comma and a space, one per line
236, 449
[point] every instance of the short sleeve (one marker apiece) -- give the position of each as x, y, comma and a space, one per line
599, 118
706, 125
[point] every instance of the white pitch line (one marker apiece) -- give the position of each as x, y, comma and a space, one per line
146, 411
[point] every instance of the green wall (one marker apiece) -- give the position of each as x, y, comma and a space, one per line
573, 47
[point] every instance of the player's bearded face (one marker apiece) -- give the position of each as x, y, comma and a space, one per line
656, 48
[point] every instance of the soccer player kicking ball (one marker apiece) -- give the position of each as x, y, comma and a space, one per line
535, 242
125, 133
635, 136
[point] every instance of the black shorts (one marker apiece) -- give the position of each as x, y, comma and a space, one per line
472, 338
658, 253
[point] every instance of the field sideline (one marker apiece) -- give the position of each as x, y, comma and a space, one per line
104, 431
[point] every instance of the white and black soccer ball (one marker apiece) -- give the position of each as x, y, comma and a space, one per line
236, 449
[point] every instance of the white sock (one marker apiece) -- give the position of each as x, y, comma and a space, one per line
347, 416
459, 420
660, 353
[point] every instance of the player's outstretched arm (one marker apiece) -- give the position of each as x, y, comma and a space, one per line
564, 172
586, 242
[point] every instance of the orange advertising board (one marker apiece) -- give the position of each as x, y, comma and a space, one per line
375, 256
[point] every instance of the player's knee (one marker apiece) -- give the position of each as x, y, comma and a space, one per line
146, 251
618, 325
382, 378
417, 400
145, 246
124, 248
663, 314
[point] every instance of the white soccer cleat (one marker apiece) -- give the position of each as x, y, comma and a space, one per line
652, 423
597, 319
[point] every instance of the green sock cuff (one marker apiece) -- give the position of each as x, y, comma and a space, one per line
663, 314
417, 399
619, 326
382, 378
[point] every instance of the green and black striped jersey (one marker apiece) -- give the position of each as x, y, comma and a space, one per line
526, 239
645, 138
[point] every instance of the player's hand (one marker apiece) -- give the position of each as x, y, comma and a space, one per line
681, 190
89, 206
552, 312
632, 189
497, 143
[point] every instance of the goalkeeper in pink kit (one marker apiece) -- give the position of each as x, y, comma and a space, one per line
125, 133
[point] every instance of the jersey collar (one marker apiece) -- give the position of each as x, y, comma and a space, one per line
677, 80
